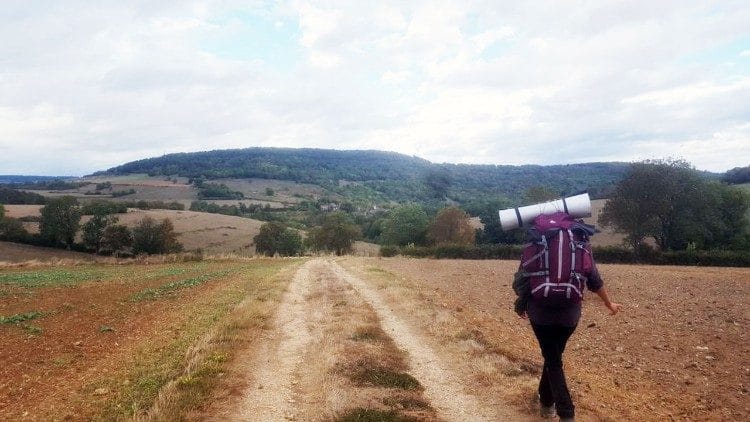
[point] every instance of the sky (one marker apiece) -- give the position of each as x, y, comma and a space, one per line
85, 86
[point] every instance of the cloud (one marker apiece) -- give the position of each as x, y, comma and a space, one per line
474, 81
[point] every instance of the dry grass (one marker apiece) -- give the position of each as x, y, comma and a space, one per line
207, 360
18, 211
213, 233
481, 364
16, 254
355, 371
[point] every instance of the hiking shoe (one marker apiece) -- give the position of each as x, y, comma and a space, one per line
547, 412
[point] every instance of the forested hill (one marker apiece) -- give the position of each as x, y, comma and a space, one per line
392, 176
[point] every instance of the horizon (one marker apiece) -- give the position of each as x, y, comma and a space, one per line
88, 87
91, 173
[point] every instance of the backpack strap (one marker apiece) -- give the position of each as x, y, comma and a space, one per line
543, 242
547, 284
573, 273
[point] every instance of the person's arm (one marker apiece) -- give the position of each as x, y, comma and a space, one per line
613, 307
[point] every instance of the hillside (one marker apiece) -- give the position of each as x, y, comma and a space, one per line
377, 176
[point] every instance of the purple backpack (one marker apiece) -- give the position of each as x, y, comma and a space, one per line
558, 259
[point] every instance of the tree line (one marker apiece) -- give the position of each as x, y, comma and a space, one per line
60, 223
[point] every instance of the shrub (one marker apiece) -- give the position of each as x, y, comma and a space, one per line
104, 207
119, 193
274, 238
151, 237
388, 251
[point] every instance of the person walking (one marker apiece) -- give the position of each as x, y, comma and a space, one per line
553, 305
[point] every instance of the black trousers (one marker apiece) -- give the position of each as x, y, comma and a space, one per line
552, 386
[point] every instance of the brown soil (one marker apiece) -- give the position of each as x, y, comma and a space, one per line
678, 350
53, 367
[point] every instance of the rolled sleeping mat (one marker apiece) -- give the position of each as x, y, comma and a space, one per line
577, 206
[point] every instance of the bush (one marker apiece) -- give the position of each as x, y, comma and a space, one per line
12, 230
274, 238
104, 207
218, 191
11, 196
119, 193
602, 254
154, 205
151, 237
388, 251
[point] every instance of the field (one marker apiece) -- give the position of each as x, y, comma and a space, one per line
213, 233
102, 341
356, 338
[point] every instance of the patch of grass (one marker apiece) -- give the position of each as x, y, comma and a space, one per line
106, 329
70, 276
376, 270
156, 293
165, 272
372, 415
380, 376
50, 277
63, 360
18, 318
369, 333
33, 330
183, 376
408, 403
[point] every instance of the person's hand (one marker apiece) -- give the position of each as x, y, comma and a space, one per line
614, 308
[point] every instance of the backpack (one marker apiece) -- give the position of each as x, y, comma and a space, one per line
558, 259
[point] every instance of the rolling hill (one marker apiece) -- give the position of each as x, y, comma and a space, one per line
377, 176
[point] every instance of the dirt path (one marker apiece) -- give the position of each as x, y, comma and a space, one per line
334, 331
271, 396
442, 386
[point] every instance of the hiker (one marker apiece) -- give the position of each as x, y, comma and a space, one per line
554, 269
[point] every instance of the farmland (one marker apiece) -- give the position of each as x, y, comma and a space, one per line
322, 338
100, 341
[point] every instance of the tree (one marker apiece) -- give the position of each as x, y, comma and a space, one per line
737, 175
404, 225
337, 234
60, 221
93, 230
2, 211
493, 233
155, 238
439, 180
12, 229
116, 240
451, 227
274, 238
672, 203
538, 194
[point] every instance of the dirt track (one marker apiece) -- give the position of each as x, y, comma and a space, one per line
303, 369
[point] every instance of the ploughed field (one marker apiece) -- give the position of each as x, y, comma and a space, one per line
678, 350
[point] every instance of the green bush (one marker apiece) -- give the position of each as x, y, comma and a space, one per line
104, 207
602, 254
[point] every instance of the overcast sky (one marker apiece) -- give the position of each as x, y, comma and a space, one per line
85, 85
